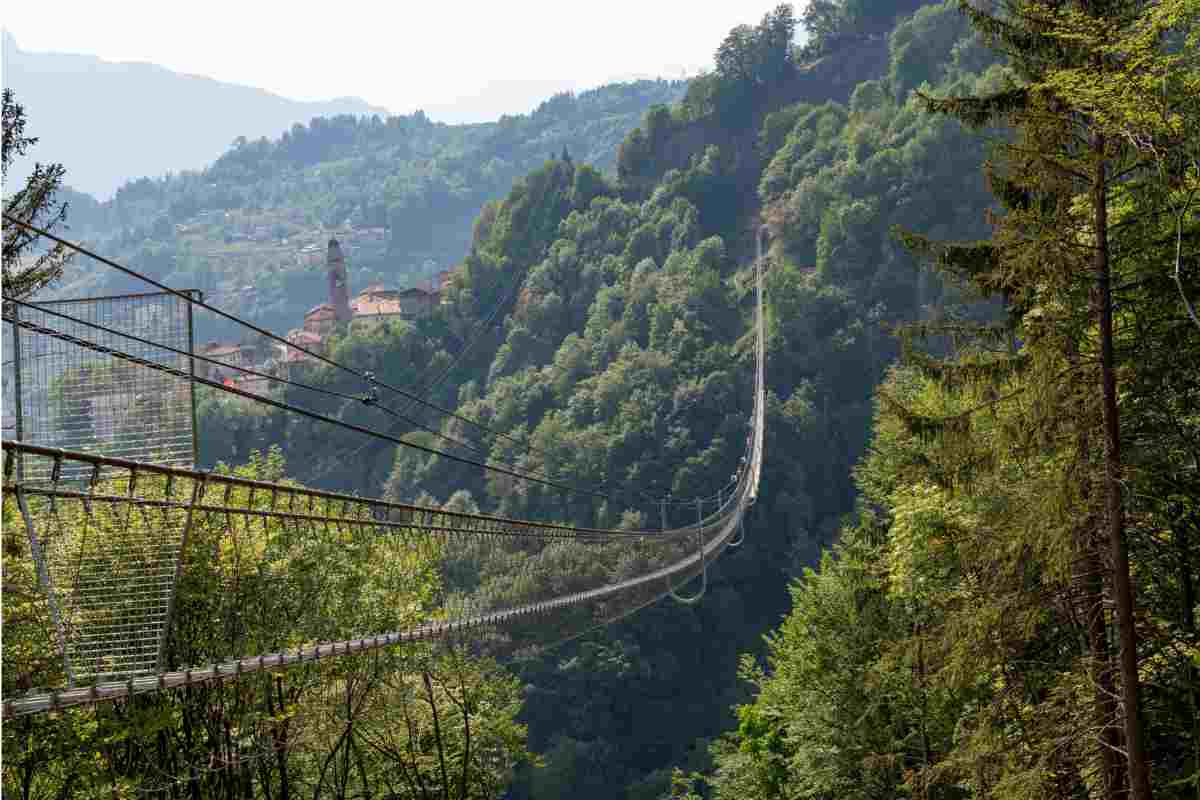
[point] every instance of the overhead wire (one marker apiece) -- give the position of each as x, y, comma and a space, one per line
364, 399
366, 377
721, 525
480, 328
46, 331
425, 389
187, 354
484, 325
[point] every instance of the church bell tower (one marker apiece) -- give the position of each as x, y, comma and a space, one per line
339, 290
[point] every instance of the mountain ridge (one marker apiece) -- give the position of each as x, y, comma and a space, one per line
198, 116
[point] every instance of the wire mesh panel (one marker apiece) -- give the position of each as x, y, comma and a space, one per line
297, 575
58, 393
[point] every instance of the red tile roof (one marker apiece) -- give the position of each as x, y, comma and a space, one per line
322, 311
302, 337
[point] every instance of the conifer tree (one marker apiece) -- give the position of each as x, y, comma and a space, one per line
24, 271
1056, 255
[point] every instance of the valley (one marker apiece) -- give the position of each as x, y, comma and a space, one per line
898, 290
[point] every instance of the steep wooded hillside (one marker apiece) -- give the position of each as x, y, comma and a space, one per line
1012, 611
620, 357
400, 192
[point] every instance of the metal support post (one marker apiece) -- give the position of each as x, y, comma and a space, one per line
191, 348
18, 397
197, 498
43, 571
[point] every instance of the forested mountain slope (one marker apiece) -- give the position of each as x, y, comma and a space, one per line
1012, 611
400, 192
620, 358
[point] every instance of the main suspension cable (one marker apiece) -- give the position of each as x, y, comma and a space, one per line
283, 406
719, 528
366, 377
364, 399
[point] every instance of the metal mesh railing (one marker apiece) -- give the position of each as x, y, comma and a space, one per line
278, 569
60, 394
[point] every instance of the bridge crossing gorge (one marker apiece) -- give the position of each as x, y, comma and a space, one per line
117, 545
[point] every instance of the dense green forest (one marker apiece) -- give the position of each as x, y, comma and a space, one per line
620, 358
401, 192
972, 570
1012, 612
384, 722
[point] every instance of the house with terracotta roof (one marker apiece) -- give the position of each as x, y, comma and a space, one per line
302, 338
235, 355
320, 320
376, 305
374, 310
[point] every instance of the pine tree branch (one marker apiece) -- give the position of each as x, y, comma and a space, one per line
978, 112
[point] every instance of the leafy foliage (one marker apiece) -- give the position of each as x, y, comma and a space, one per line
402, 722
976, 598
621, 362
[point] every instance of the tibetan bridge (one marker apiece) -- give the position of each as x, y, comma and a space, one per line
112, 545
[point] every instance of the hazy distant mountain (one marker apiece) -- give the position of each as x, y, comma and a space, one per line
494, 99
108, 122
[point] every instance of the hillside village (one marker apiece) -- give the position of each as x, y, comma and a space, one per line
374, 305
291, 229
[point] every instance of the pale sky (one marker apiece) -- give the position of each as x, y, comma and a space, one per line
461, 62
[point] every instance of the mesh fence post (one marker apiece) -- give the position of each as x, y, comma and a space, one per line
197, 498
18, 397
191, 348
39, 560
73, 390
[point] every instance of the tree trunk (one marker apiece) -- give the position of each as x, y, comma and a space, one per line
437, 732
1139, 773
1187, 584
1088, 589
279, 732
1102, 677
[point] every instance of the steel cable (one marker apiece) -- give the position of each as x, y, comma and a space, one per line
366, 377
713, 533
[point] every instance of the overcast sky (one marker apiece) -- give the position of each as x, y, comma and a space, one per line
460, 62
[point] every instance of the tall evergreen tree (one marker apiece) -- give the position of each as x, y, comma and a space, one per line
1057, 254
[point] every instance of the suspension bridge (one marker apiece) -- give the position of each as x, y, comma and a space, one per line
112, 540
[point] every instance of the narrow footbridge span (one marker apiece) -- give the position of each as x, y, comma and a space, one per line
114, 554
